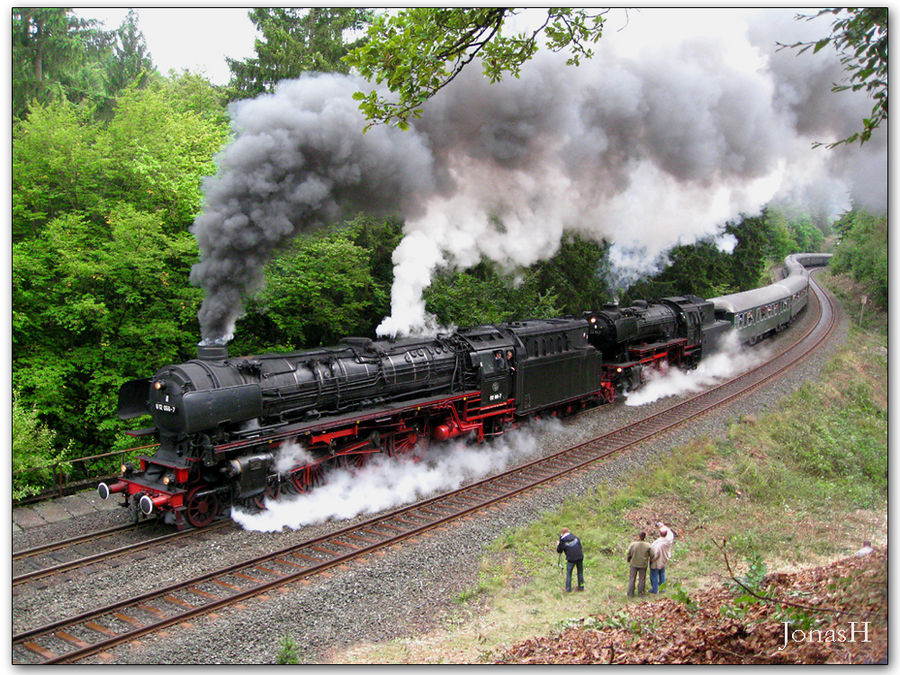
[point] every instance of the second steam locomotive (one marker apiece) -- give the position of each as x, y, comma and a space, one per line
233, 430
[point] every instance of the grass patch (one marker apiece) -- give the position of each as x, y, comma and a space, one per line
771, 488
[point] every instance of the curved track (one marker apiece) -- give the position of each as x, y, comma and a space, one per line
73, 638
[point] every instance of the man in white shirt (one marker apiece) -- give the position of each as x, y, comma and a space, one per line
660, 552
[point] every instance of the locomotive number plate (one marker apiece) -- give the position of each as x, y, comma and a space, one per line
165, 407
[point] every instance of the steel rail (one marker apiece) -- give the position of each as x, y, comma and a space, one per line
63, 543
87, 560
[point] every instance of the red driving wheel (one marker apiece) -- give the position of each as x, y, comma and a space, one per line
201, 510
307, 478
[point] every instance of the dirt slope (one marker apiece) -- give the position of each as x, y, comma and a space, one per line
849, 596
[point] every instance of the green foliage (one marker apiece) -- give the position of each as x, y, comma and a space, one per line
862, 252
319, 291
101, 255
90, 302
323, 288
160, 145
290, 652
680, 595
55, 56
703, 269
622, 620
57, 166
752, 590
153, 154
417, 51
294, 40
129, 59
33, 445
700, 268
574, 275
483, 294
860, 36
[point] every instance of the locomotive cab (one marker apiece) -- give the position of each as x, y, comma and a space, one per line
492, 357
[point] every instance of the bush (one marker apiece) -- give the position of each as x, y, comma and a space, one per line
33, 452
862, 253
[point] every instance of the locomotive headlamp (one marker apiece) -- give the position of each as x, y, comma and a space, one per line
618, 370
123, 469
593, 319
168, 479
157, 385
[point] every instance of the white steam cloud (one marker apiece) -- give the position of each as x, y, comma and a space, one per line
730, 361
386, 482
683, 120
289, 455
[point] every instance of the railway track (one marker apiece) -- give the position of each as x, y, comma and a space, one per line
93, 547
77, 637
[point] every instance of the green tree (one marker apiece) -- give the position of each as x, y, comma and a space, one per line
782, 242
317, 292
153, 153
55, 55
752, 251
862, 252
418, 51
295, 40
93, 306
159, 149
860, 36
575, 274
699, 269
129, 58
482, 295
57, 166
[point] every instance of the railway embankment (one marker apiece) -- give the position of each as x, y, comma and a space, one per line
795, 484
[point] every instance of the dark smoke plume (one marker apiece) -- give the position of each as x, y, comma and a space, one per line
298, 162
682, 121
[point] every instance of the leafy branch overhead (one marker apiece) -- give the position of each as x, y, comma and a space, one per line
860, 37
418, 51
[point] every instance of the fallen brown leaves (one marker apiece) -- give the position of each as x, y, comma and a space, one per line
667, 631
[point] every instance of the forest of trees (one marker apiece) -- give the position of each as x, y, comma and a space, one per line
108, 158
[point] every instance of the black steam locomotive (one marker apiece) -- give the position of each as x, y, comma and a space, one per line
232, 430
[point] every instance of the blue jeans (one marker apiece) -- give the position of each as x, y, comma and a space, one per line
569, 565
657, 579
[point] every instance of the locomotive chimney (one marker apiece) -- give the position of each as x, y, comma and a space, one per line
212, 352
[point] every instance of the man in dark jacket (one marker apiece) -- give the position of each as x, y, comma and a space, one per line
571, 544
638, 557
